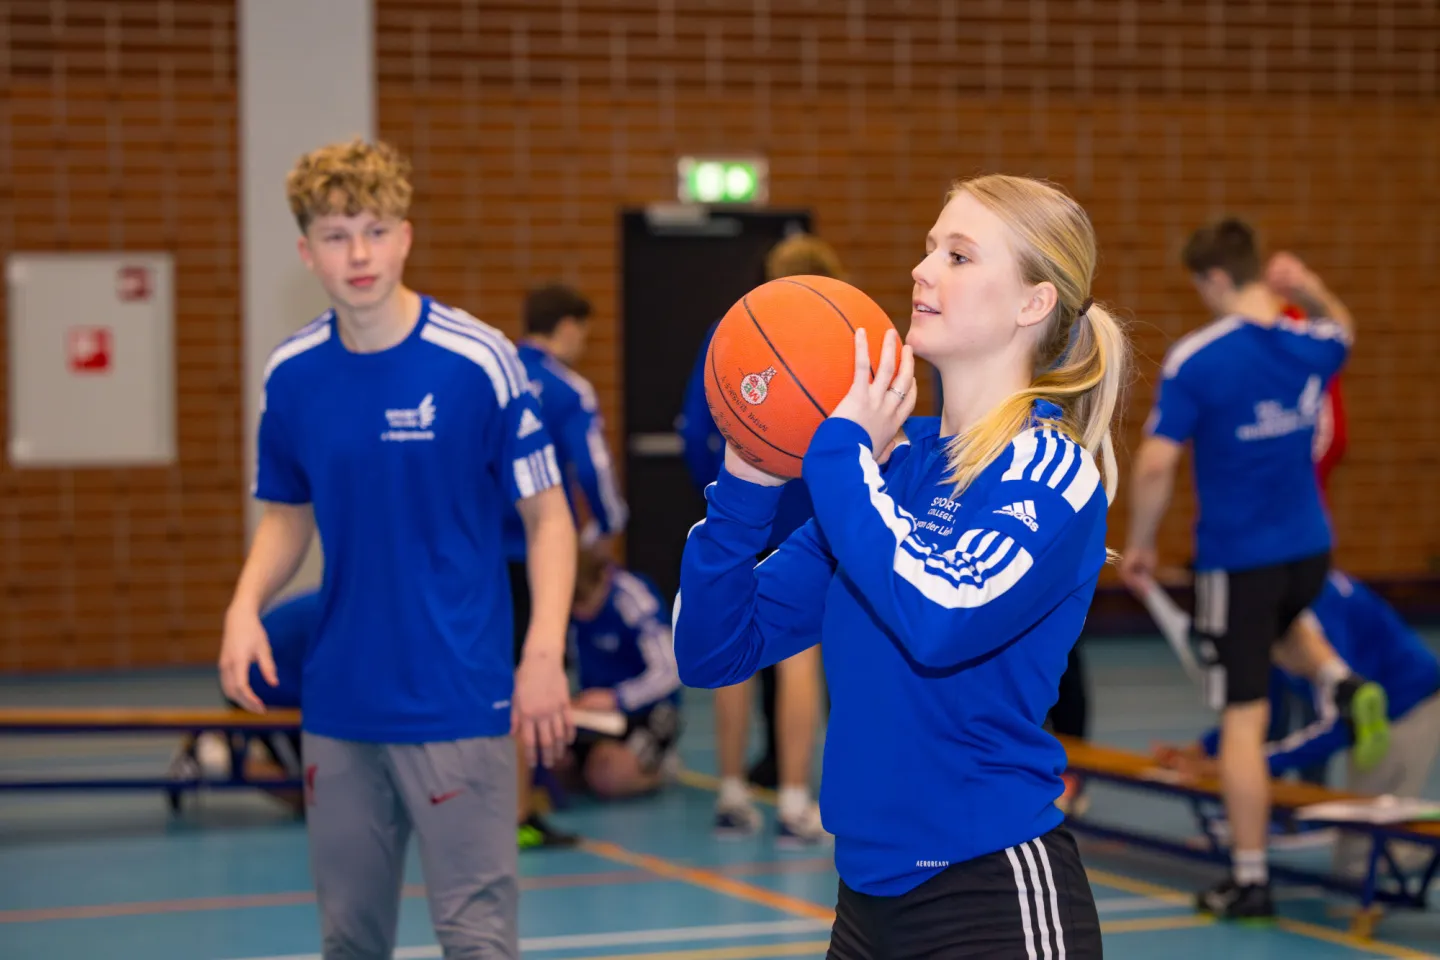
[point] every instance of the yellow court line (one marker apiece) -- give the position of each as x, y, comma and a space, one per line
1152, 924
709, 880
1144, 888
1298, 927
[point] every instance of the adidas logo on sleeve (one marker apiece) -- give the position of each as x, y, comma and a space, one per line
1023, 511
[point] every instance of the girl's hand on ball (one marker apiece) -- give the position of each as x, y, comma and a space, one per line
882, 405
739, 468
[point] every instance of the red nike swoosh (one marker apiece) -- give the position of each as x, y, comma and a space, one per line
441, 798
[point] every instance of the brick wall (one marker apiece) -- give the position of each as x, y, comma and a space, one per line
118, 131
531, 123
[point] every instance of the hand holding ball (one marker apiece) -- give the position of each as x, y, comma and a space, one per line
785, 356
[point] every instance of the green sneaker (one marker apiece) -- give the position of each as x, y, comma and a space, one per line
536, 834
1365, 708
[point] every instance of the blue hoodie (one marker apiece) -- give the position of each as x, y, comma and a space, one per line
945, 625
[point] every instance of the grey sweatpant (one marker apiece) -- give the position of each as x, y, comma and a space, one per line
459, 798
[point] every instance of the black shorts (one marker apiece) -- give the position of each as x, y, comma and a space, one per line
1031, 900
520, 604
1239, 617
651, 736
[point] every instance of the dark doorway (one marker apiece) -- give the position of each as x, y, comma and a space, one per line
681, 268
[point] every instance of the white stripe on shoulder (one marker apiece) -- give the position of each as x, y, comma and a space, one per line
462, 322
632, 600
982, 566
1191, 344
308, 337
1319, 328
481, 354
1044, 455
574, 381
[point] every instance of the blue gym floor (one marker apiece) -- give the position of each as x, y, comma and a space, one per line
114, 876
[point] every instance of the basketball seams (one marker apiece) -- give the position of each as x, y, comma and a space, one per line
745, 302
832, 305
739, 417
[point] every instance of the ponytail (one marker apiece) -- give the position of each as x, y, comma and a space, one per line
1085, 385
1082, 357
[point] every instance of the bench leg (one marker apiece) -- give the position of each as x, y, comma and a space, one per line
1362, 925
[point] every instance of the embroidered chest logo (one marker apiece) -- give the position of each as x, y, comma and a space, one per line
756, 386
943, 508
411, 423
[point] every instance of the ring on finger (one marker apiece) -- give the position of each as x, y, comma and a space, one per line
898, 393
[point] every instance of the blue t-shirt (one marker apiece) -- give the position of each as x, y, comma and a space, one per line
570, 413
411, 457
627, 647
1248, 396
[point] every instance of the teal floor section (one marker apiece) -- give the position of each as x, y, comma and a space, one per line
116, 876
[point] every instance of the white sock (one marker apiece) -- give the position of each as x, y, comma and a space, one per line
1250, 867
733, 792
794, 801
1331, 672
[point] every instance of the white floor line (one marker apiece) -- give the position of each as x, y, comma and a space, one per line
1131, 904
621, 938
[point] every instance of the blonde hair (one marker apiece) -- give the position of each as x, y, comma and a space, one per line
803, 254
1082, 359
349, 178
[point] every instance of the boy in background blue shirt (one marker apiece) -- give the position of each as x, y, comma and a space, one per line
1245, 393
625, 657
1369, 635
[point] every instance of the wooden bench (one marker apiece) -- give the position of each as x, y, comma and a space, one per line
238, 727
1385, 883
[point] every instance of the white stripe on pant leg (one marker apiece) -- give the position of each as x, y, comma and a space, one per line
1202, 608
1054, 898
1024, 901
1039, 898
1222, 603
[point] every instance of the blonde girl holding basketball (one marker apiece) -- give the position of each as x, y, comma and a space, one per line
946, 584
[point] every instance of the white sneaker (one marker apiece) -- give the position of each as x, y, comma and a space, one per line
805, 830
736, 819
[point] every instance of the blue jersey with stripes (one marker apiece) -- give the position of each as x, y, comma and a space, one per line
945, 625
1247, 396
1369, 635
411, 458
571, 414
626, 645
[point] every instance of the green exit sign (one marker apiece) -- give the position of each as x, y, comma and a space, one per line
723, 180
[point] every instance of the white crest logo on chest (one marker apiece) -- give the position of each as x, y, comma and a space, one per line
411, 423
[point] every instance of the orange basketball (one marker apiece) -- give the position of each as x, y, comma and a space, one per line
782, 359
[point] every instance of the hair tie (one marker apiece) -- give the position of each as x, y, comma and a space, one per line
1085, 307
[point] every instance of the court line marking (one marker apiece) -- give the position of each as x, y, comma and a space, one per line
627, 938
759, 951
708, 879
1168, 895
244, 901
1298, 927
